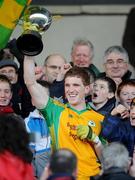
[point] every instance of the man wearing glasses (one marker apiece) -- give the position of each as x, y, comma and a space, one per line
52, 66
116, 64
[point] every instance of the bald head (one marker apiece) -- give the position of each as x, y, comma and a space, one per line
63, 161
52, 66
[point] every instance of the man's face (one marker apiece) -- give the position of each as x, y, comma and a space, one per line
53, 67
132, 115
10, 72
126, 95
75, 91
115, 66
100, 93
5, 93
81, 56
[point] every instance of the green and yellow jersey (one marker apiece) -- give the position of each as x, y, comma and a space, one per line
62, 121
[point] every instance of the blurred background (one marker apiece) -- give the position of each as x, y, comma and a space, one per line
100, 21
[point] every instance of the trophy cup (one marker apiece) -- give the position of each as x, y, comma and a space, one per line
36, 21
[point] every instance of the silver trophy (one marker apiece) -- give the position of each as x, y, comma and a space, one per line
35, 22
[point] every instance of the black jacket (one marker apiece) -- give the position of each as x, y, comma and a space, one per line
126, 76
115, 173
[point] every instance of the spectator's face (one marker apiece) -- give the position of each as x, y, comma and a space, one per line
115, 66
81, 56
5, 93
53, 67
75, 92
127, 93
132, 115
100, 93
10, 72
7, 54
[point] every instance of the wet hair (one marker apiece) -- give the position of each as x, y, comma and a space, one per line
13, 136
117, 50
79, 73
91, 74
129, 82
83, 42
111, 83
4, 78
63, 161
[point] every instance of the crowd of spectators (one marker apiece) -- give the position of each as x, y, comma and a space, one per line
67, 120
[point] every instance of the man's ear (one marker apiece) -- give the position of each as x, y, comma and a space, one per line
104, 66
87, 90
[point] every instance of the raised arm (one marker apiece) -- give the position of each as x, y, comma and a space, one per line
38, 93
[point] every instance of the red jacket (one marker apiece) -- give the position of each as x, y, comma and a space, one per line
14, 168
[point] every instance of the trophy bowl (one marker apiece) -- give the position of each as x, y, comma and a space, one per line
36, 22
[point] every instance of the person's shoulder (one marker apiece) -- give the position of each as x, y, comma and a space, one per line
93, 69
102, 74
96, 114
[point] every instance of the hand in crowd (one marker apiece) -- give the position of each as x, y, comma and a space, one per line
63, 71
46, 173
122, 110
39, 72
117, 80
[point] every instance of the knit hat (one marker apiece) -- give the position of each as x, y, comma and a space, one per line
8, 62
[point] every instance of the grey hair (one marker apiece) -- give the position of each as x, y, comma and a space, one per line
118, 50
84, 42
115, 155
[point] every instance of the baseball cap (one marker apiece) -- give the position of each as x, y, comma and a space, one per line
8, 62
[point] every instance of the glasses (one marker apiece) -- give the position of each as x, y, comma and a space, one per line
112, 62
53, 67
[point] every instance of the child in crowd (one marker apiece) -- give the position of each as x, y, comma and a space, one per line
39, 138
125, 94
123, 131
103, 95
5, 95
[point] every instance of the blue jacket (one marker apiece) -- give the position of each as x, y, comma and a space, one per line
115, 129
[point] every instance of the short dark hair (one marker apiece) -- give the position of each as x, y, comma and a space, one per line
14, 137
4, 78
63, 161
111, 83
80, 73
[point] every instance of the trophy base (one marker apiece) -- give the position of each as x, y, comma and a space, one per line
30, 43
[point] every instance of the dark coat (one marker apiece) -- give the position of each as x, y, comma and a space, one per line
61, 176
126, 76
115, 174
107, 108
115, 129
